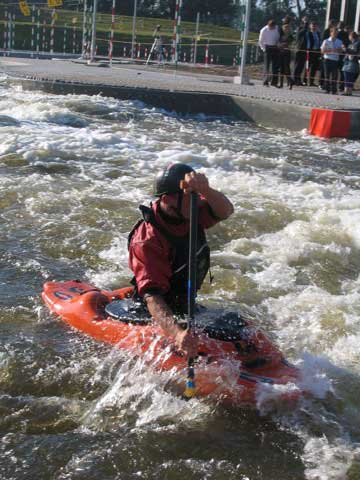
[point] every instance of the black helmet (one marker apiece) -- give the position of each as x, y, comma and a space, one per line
168, 181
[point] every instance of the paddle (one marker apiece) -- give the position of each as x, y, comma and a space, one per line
190, 381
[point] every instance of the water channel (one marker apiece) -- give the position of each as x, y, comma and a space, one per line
73, 170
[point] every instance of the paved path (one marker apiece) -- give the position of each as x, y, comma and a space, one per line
140, 76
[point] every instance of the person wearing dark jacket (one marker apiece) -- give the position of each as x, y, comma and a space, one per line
159, 242
343, 35
286, 39
351, 63
300, 55
313, 44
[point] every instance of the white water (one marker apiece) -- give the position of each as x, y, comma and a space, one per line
73, 171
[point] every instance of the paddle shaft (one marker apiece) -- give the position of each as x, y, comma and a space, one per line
192, 258
190, 383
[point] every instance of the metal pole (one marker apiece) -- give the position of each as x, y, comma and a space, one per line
38, 33
175, 31
32, 30
111, 43
178, 36
84, 35
93, 33
342, 10
52, 32
44, 36
245, 40
6, 26
88, 30
74, 38
65, 39
328, 13
9, 32
133, 40
357, 18
12, 36
13, 33
196, 35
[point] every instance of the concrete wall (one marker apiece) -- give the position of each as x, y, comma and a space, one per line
262, 112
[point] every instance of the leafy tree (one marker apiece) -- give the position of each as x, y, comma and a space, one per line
315, 9
277, 9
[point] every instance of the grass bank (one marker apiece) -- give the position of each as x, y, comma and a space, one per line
223, 41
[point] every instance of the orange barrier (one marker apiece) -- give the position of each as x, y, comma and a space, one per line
330, 123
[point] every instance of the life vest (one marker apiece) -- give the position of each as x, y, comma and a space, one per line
179, 247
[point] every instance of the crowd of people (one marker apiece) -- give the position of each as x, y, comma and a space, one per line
333, 55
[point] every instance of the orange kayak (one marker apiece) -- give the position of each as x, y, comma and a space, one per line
237, 368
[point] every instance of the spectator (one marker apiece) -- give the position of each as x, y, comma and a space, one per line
158, 44
313, 44
351, 63
268, 41
287, 20
343, 35
326, 35
300, 55
331, 49
286, 39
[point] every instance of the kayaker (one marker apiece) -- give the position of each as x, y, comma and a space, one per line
159, 247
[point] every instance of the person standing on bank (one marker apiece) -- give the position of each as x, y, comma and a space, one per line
326, 35
313, 44
300, 55
331, 49
343, 36
351, 63
159, 247
268, 41
286, 39
158, 44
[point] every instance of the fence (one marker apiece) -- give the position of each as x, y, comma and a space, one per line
41, 34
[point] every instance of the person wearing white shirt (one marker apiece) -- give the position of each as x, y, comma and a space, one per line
268, 41
331, 49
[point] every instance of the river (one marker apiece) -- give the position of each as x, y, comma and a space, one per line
73, 171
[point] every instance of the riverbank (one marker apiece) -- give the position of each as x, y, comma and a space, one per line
193, 93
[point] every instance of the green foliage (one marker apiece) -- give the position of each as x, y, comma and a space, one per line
213, 11
278, 9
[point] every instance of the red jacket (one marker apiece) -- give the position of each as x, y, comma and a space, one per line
150, 254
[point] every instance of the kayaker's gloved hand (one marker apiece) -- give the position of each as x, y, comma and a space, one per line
195, 182
220, 205
187, 342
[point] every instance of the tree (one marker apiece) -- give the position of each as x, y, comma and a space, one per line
315, 9
277, 9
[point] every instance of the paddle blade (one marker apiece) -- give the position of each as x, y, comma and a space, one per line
190, 381
189, 392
